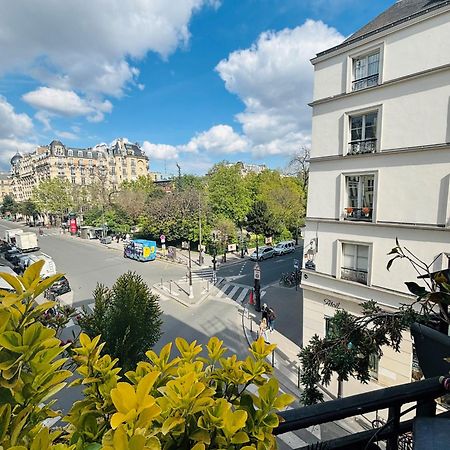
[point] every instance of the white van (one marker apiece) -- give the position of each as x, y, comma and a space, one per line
284, 247
49, 267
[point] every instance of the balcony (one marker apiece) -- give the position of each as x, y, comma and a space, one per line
427, 430
362, 146
363, 83
356, 275
358, 214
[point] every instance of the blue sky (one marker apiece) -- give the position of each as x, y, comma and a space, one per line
193, 81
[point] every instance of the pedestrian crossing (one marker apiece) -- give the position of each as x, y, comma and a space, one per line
237, 292
204, 273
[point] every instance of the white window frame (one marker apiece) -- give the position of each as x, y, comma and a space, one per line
362, 112
69, 152
359, 207
80, 153
377, 47
365, 58
341, 260
89, 155
343, 196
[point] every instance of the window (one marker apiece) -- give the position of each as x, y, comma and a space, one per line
89, 154
366, 71
363, 133
69, 152
355, 262
327, 326
73, 180
83, 181
359, 202
373, 365
80, 153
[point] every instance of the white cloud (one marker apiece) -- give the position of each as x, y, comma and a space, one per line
274, 79
160, 151
66, 135
9, 146
90, 47
65, 103
11, 123
218, 139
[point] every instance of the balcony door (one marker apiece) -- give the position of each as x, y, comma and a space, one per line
359, 197
355, 262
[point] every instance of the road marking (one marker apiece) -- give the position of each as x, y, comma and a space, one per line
263, 293
292, 440
242, 295
233, 291
315, 430
221, 292
92, 306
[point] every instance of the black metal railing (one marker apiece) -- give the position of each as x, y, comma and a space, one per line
357, 275
362, 146
364, 213
363, 83
394, 433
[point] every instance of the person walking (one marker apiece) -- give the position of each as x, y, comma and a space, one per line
264, 312
262, 331
271, 318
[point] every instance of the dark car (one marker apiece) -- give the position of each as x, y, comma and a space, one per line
11, 255
60, 287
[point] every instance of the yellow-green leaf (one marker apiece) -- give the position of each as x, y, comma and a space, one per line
171, 423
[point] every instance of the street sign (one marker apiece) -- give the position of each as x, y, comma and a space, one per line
268, 240
296, 264
257, 272
162, 238
231, 247
203, 248
185, 245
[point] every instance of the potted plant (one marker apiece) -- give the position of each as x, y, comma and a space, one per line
349, 211
366, 211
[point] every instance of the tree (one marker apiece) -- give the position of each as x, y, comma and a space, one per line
299, 165
127, 316
260, 220
29, 209
54, 196
352, 340
9, 205
228, 195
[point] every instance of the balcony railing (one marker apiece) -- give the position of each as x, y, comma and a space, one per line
391, 435
363, 83
357, 275
364, 146
364, 214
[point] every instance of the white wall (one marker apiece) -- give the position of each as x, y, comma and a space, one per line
411, 187
425, 244
414, 48
412, 113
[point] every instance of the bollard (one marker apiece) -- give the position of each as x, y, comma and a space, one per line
298, 376
207, 286
170, 287
251, 326
273, 358
161, 282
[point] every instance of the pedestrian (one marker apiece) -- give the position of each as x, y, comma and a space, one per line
127, 237
262, 331
117, 237
265, 312
271, 318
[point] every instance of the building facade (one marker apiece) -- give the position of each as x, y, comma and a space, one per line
5, 185
109, 165
379, 170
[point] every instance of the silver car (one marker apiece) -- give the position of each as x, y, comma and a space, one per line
263, 253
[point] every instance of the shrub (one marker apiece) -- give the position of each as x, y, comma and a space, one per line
127, 316
187, 402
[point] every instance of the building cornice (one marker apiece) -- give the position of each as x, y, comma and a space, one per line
383, 31
381, 223
388, 83
389, 151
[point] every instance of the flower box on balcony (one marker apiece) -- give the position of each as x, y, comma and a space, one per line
366, 211
349, 211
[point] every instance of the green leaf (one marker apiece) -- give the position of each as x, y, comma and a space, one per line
415, 289
32, 273
240, 437
12, 281
389, 264
394, 251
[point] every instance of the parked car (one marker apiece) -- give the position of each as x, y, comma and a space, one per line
282, 248
12, 254
21, 263
263, 253
60, 287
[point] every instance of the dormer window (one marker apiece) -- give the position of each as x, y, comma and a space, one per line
80, 153
69, 152
366, 70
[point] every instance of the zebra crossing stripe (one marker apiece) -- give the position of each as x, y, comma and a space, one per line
315, 430
263, 293
92, 306
233, 291
292, 440
242, 295
221, 292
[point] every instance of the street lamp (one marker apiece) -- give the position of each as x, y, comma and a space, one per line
214, 240
257, 285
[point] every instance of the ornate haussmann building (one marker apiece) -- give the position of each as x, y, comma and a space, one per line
110, 165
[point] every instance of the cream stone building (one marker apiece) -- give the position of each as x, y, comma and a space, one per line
379, 169
5, 185
110, 165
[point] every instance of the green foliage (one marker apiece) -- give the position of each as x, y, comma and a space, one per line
115, 218
9, 205
228, 194
54, 196
28, 208
260, 220
127, 316
285, 235
197, 400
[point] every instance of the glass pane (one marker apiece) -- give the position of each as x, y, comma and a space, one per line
360, 66
373, 64
352, 191
349, 253
362, 259
356, 128
370, 131
367, 184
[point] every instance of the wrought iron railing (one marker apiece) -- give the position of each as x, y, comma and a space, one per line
363, 83
394, 433
360, 276
362, 146
364, 213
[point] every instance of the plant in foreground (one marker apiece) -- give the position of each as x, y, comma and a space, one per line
192, 401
